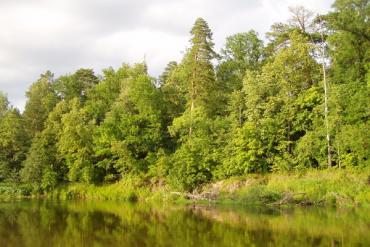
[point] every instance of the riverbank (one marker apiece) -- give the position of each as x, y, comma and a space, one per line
331, 187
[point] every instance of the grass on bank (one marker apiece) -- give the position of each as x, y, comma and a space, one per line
11, 191
131, 189
334, 187
331, 187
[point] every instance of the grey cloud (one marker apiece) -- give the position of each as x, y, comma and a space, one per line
63, 35
107, 16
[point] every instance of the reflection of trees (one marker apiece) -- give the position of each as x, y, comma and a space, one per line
38, 223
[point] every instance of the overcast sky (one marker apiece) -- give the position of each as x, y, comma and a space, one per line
64, 35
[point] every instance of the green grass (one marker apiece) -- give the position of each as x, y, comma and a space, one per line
331, 187
11, 191
131, 189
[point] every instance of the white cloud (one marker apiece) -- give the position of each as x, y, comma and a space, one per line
64, 35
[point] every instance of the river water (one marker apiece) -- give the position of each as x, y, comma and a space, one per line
82, 223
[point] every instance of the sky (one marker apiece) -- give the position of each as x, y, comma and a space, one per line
65, 35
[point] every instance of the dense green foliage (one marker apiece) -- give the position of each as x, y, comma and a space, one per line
252, 108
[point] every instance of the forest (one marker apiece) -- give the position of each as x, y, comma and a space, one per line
298, 100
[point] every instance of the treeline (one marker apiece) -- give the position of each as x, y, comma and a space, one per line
300, 101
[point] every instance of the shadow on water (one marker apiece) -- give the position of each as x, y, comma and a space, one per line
82, 223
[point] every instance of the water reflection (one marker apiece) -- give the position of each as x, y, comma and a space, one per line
45, 223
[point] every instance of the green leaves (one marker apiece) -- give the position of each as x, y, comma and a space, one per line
13, 144
75, 143
242, 52
257, 109
132, 129
76, 85
277, 111
41, 101
246, 152
4, 104
202, 89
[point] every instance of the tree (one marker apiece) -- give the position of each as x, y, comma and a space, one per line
102, 96
129, 137
349, 45
41, 100
174, 90
76, 85
196, 156
13, 143
246, 149
301, 18
75, 144
171, 66
45, 167
260, 109
40, 167
277, 111
242, 52
194, 129
290, 76
4, 104
350, 40
200, 76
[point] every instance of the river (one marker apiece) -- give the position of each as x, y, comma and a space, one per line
97, 223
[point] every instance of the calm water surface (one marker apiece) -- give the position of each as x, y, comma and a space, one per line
45, 223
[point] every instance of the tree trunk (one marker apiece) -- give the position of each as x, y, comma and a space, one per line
326, 108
